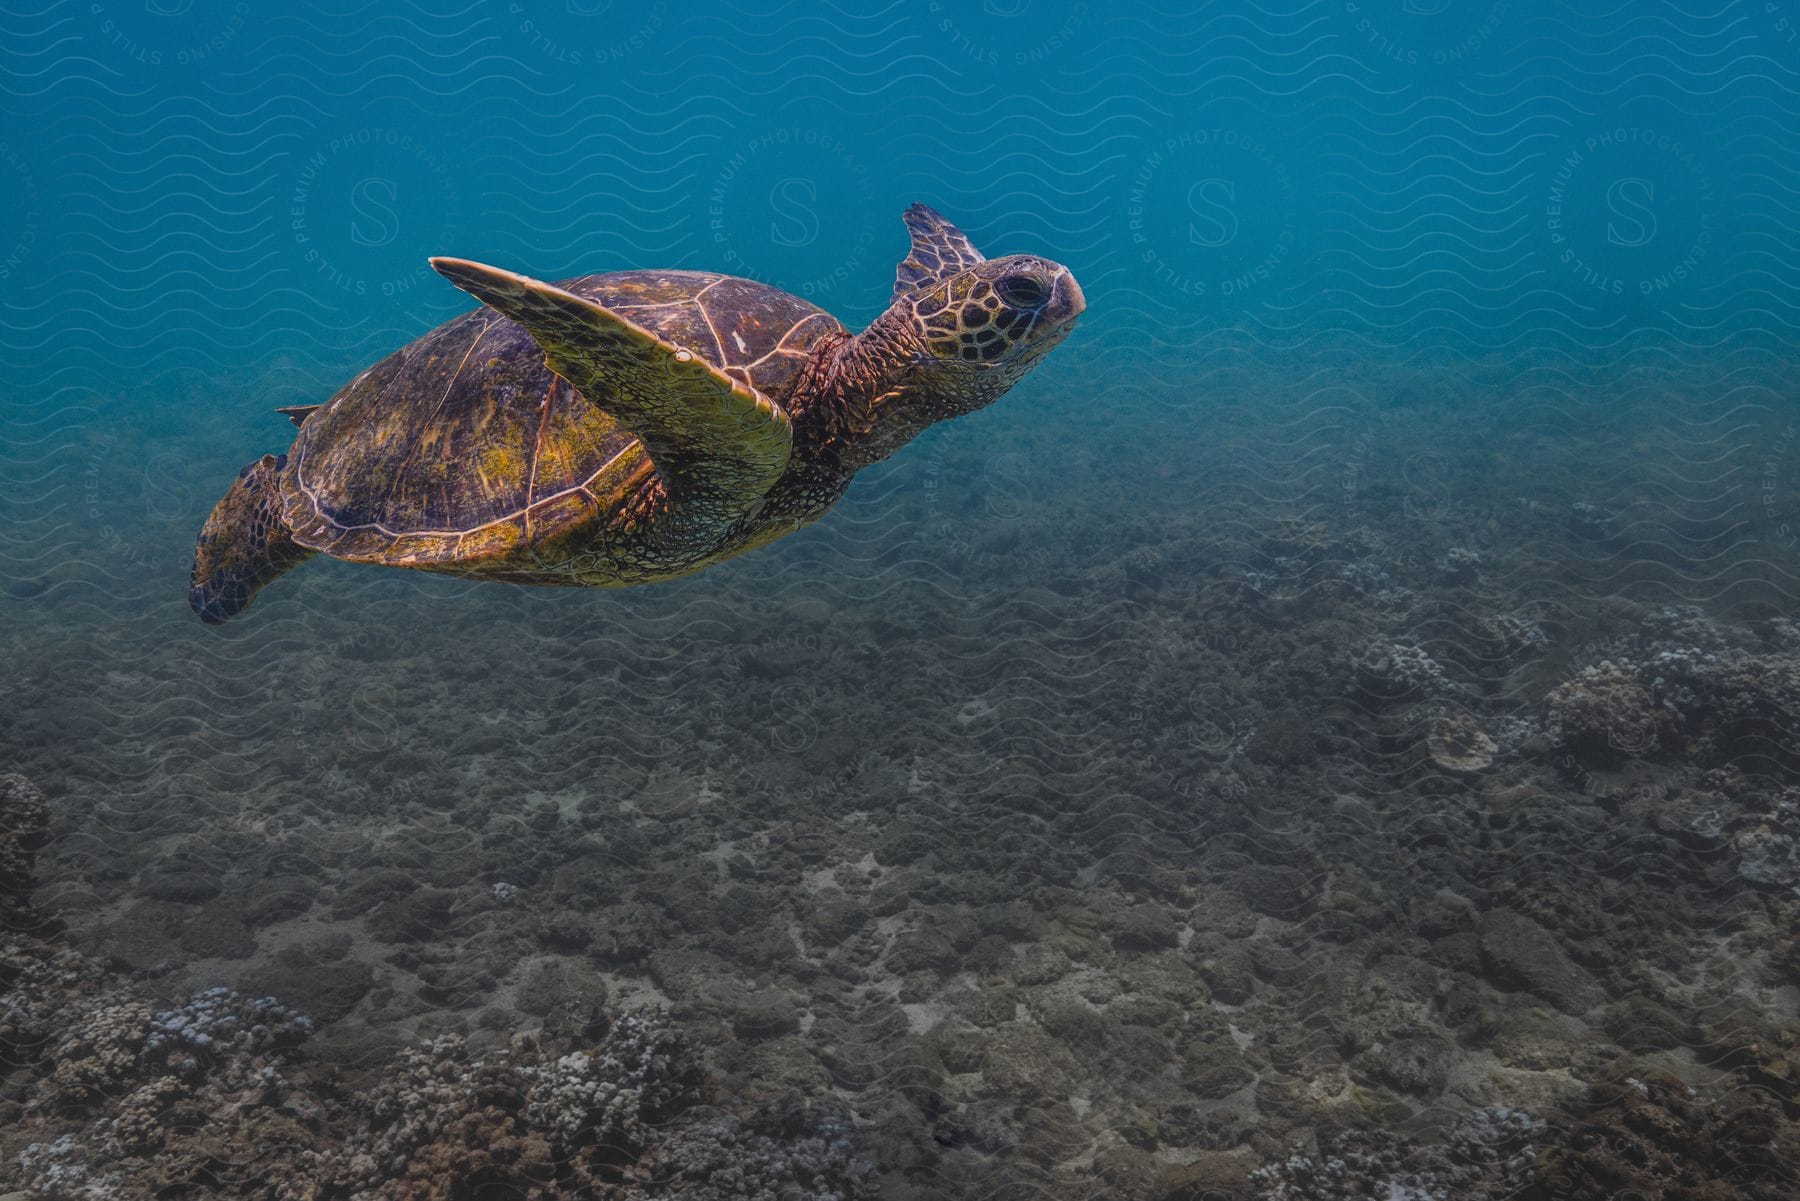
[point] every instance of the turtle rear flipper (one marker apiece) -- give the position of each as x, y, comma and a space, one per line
717, 444
244, 544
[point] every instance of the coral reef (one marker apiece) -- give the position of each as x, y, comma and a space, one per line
1682, 704
1506, 636
1458, 743
1486, 1157
1050, 854
219, 1022
584, 1120
185, 1095
24, 820
105, 1094
111, 1042
799, 1155
1768, 843
1609, 712
1459, 565
1658, 1139
1390, 670
1654, 1138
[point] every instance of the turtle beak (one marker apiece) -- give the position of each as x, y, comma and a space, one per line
1066, 302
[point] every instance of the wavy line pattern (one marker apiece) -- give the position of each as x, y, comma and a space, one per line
1350, 686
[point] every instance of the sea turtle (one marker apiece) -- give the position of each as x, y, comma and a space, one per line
621, 428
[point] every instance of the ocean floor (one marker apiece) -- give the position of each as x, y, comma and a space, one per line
1336, 784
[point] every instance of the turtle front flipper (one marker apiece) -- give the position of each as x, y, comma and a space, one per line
939, 250
717, 444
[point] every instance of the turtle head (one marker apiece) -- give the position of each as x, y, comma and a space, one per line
982, 328
960, 331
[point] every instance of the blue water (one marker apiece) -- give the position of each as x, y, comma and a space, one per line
218, 208
1367, 282
202, 188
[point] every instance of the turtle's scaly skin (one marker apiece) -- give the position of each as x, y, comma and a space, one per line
465, 453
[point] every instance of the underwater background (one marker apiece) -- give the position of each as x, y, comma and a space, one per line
1331, 731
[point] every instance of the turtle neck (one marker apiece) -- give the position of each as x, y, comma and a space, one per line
860, 401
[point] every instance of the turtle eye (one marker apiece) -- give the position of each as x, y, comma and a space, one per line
1022, 291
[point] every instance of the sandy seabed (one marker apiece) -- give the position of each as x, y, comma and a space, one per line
1313, 799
